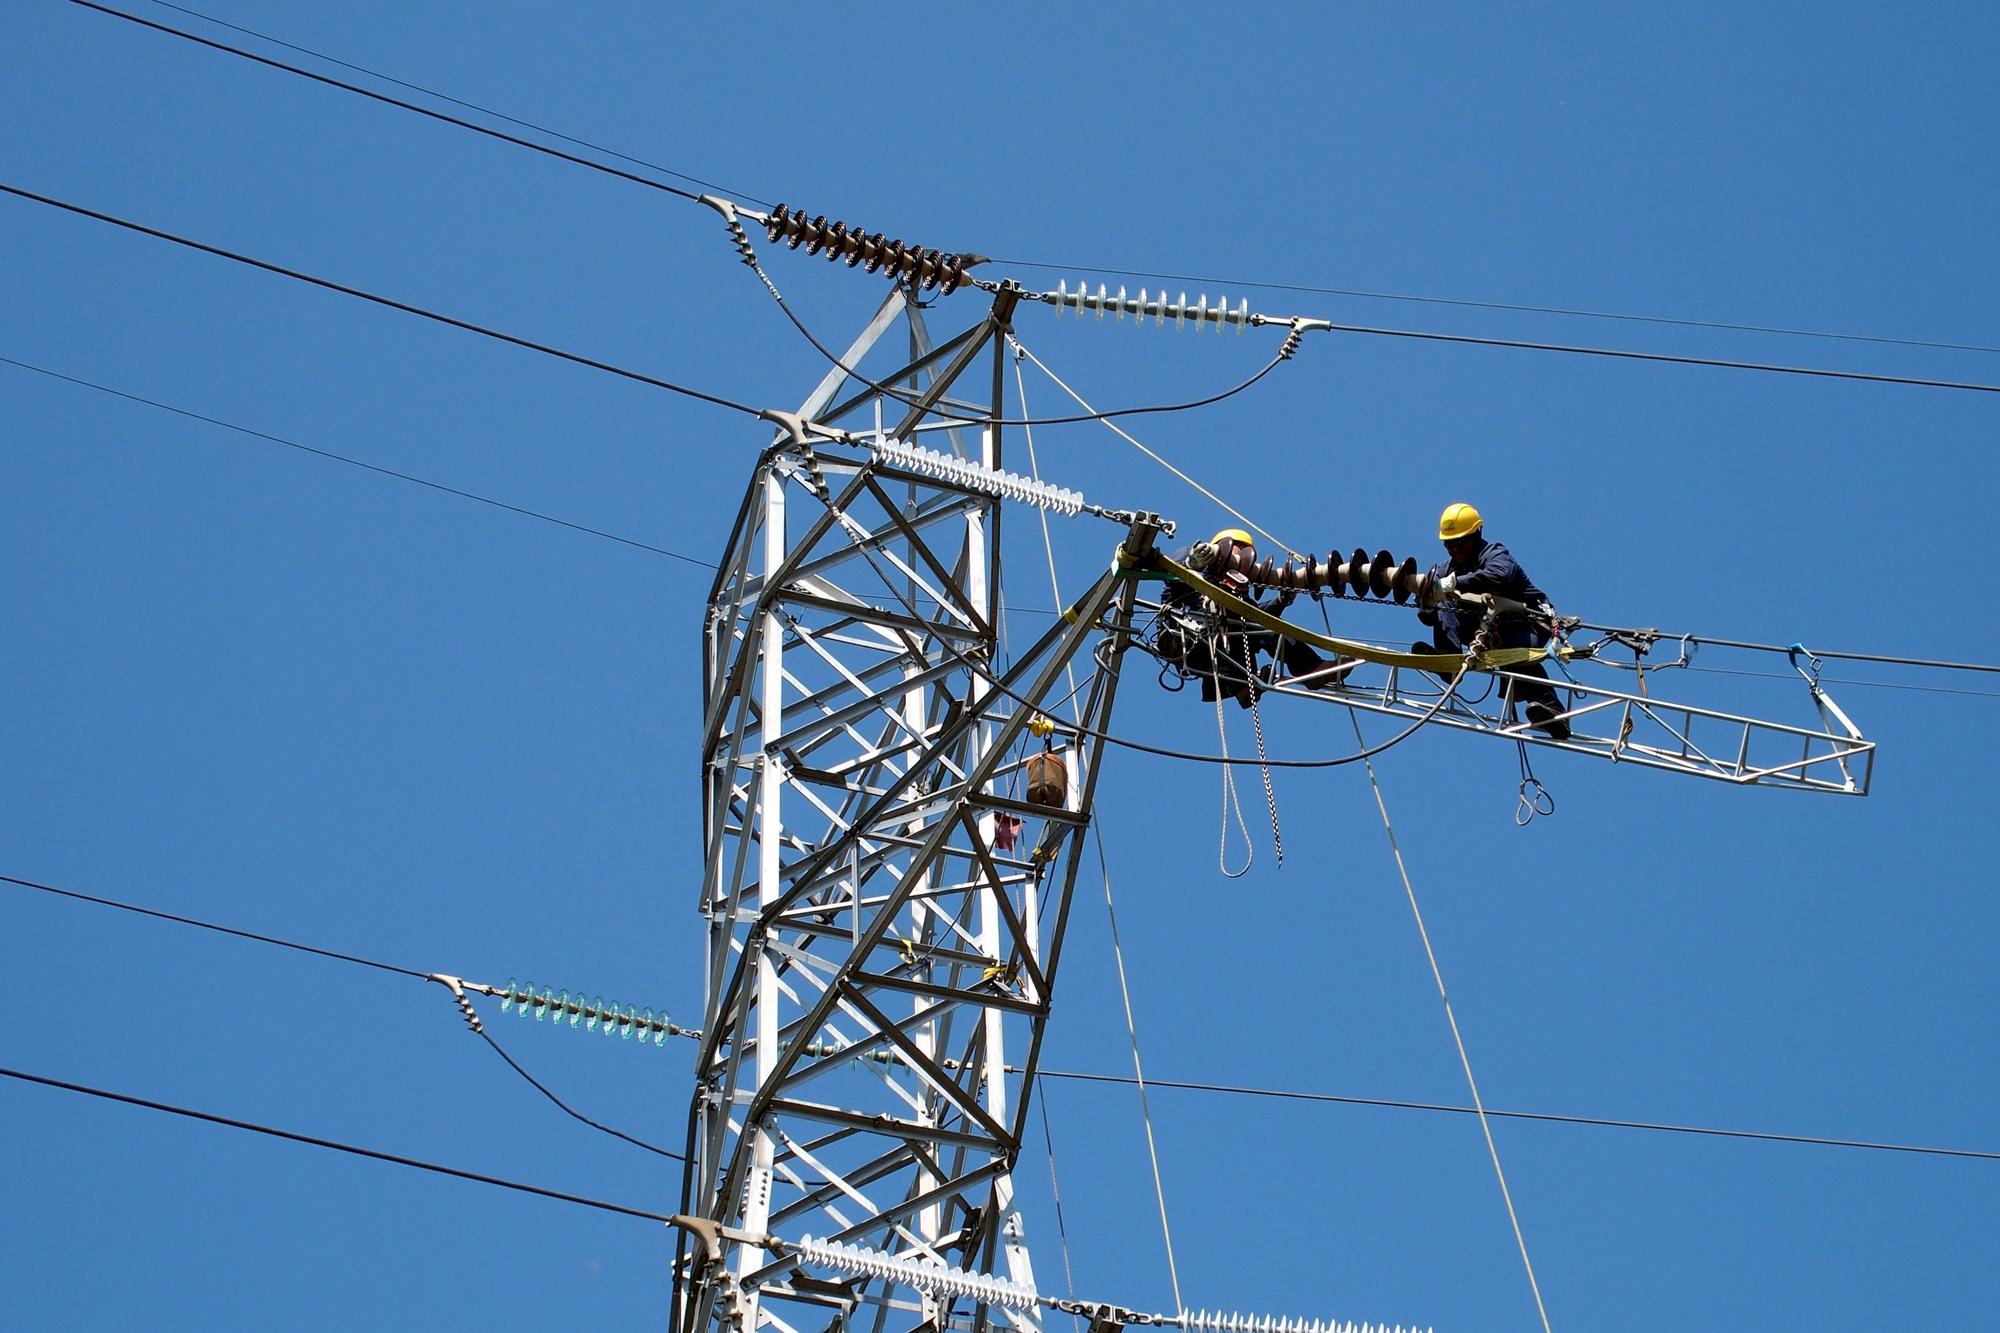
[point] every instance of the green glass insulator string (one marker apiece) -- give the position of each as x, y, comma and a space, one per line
592, 1013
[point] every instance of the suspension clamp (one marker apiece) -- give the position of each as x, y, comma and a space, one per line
456, 985
800, 431
737, 236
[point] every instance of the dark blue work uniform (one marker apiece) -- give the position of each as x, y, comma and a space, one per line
1226, 666
1493, 569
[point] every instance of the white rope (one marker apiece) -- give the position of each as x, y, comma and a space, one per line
1048, 541
1233, 512
1409, 890
1076, 715
1465, 1061
1138, 1073
1229, 794
1055, 1192
1230, 798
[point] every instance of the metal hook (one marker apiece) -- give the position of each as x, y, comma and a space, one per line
1811, 679
1534, 800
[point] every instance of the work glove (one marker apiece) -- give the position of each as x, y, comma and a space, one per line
1448, 586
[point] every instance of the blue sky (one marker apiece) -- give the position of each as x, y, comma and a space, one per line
251, 685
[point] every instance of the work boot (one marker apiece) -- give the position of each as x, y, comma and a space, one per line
1548, 721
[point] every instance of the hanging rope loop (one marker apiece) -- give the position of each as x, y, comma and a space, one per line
1230, 800
1534, 798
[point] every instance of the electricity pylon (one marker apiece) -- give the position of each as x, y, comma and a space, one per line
892, 834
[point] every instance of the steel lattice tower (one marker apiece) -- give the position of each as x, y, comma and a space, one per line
880, 955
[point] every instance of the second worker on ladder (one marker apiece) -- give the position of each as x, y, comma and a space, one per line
1474, 564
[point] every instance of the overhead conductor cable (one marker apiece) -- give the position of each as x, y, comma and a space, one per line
1021, 263
390, 302
1235, 1089
942, 264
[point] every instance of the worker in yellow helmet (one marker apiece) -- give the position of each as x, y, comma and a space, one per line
1475, 564
1223, 659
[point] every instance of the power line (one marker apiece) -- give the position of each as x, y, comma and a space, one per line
1316, 325
1578, 349
566, 1108
1184, 1085
358, 960
487, 130
1793, 649
1573, 312
314, 1141
1394, 1104
1667, 638
199, 924
635, 543
457, 101
366, 466
357, 463
1376, 331
392, 303
1844, 680
1463, 339
1304, 288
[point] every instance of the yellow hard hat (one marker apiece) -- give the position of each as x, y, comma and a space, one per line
1237, 535
1458, 520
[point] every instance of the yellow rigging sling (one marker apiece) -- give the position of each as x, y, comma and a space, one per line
1165, 568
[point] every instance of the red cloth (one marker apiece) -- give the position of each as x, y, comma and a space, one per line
1006, 828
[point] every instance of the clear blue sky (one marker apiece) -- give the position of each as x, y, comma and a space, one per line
251, 685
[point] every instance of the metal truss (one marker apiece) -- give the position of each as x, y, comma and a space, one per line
886, 904
1627, 728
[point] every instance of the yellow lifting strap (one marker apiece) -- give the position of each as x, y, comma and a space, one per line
1165, 567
